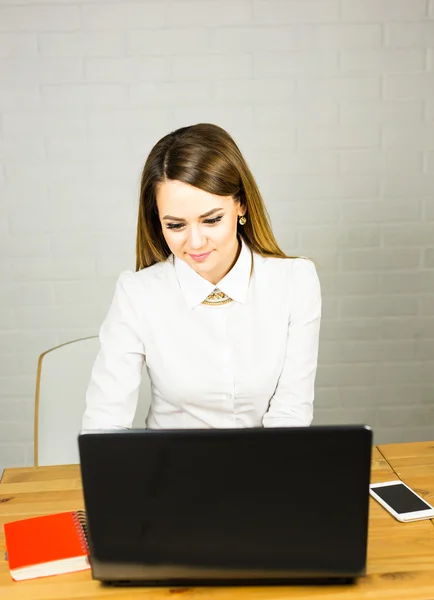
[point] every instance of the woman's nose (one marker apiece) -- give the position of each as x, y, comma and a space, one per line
196, 240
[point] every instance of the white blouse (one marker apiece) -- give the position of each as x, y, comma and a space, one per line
248, 363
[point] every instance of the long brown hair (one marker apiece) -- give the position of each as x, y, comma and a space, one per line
204, 156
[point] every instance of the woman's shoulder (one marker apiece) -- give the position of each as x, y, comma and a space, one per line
293, 267
148, 278
296, 276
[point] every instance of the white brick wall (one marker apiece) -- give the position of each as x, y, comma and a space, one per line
332, 102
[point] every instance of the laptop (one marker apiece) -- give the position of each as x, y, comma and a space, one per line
227, 506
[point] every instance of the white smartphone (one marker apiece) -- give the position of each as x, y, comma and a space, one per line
401, 501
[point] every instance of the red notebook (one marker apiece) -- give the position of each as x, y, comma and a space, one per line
48, 545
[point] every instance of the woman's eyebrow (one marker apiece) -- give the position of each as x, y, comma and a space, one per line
207, 214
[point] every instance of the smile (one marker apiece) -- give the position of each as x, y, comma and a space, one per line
200, 257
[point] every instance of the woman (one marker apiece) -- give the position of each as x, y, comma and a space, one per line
226, 324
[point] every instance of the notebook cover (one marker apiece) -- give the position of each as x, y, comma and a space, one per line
44, 539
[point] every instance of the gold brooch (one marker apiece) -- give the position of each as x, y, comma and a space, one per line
217, 297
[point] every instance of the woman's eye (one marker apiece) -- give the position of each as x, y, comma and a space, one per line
213, 221
175, 226
179, 226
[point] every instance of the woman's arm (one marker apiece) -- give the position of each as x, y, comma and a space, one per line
292, 401
111, 397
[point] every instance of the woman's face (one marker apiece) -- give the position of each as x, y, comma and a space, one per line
199, 228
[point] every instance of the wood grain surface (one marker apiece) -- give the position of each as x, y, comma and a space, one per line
400, 555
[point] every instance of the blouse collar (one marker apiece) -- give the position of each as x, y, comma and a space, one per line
234, 284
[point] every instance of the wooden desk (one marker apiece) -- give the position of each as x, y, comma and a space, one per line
400, 555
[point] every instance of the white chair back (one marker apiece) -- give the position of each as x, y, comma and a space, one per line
63, 376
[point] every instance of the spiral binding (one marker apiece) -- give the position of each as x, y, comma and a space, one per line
80, 522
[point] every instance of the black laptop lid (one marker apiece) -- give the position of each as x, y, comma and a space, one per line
294, 499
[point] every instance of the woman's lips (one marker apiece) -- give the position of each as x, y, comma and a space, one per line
200, 257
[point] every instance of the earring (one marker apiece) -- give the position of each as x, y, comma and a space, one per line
242, 221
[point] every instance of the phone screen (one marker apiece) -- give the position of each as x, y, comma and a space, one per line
400, 498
